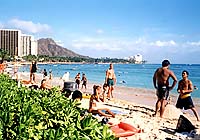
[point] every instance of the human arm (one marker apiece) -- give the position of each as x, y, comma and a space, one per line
172, 75
91, 103
154, 79
114, 78
100, 112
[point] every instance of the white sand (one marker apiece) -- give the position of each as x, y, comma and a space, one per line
138, 104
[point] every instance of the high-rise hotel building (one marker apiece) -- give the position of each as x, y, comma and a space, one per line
17, 44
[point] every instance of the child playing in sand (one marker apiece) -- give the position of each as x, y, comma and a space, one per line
96, 104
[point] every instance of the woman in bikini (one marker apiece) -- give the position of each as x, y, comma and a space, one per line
96, 104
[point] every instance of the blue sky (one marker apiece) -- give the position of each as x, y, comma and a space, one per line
157, 29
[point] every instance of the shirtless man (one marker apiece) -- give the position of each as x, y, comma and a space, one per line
110, 80
161, 83
185, 87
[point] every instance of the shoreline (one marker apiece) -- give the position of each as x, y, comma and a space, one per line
143, 96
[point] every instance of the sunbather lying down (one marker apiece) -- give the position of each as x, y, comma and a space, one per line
96, 104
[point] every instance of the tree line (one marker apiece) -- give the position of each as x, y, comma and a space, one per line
45, 58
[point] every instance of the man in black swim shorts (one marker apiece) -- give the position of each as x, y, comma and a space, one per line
161, 83
163, 92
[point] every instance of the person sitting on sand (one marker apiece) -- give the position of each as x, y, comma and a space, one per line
185, 87
105, 90
96, 105
77, 95
44, 85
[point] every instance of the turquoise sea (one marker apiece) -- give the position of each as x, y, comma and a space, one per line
133, 75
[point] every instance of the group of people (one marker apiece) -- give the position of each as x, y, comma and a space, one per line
110, 81
96, 103
78, 80
161, 82
33, 70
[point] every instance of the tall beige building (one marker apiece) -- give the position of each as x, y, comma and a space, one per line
17, 44
28, 45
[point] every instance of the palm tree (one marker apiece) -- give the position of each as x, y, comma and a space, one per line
3, 54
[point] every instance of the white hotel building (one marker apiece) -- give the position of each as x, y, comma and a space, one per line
17, 44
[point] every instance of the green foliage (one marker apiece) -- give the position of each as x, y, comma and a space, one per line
46, 58
3, 54
42, 114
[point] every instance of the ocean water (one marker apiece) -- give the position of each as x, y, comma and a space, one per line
128, 75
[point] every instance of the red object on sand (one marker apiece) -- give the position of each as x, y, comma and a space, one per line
124, 130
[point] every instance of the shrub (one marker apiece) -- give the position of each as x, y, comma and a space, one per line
41, 114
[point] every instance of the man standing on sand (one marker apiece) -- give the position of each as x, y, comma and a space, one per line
110, 80
185, 87
33, 70
161, 83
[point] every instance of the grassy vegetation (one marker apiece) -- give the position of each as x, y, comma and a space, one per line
38, 114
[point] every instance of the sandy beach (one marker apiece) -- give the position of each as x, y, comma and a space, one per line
135, 107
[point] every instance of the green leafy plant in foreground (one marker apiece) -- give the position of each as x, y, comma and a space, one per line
41, 114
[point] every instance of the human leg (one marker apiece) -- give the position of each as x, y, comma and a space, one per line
110, 84
162, 108
34, 77
188, 104
110, 114
195, 113
30, 77
109, 92
112, 88
158, 105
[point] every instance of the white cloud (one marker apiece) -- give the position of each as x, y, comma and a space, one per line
98, 44
29, 26
194, 43
60, 43
110, 44
163, 43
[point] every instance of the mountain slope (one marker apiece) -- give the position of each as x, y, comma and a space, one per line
47, 46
